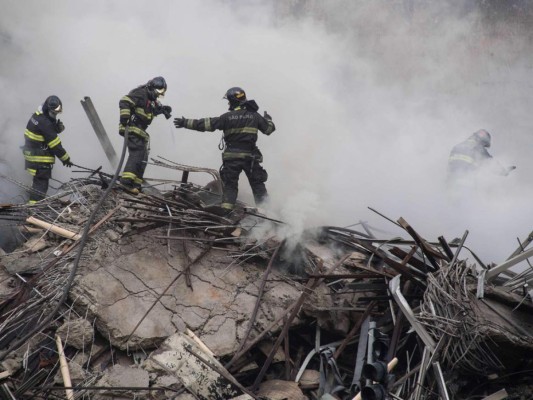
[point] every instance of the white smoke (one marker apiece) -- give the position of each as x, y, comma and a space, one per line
368, 99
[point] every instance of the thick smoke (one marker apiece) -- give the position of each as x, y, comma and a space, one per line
368, 98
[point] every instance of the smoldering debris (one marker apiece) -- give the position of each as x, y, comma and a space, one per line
170, 300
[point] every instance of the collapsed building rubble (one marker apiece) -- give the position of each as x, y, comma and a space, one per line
155, 297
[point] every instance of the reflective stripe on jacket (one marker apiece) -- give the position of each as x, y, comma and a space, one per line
240, 127
42, 143
137, 103
467, 156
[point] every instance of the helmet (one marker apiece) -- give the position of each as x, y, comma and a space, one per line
52, 106
483, 137
235, 96
157, 87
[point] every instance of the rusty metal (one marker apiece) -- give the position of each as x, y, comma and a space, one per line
222, 372
258, 300
430, 253
354, 330
446, 247
311, 284
259, 337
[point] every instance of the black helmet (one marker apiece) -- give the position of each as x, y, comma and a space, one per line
483, 137
157, 87
236, 96
52, 106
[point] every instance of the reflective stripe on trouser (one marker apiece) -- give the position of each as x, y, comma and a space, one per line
41, 176
256, 174
136, 164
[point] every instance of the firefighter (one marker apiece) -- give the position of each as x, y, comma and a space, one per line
471, 156
137, 110
240, 153
42, 146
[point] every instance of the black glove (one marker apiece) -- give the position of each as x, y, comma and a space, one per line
166, 110
266, 116
179, 122
60, 126
124, 121
67, 163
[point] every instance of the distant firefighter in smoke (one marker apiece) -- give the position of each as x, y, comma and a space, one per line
240, 125
42, 146
471, 156
137, 111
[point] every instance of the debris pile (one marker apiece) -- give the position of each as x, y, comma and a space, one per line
156, 296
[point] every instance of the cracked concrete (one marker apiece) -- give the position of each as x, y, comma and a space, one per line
121, 284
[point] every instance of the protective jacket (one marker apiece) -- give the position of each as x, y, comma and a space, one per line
241, 126
42, 143
138, 111
467, 157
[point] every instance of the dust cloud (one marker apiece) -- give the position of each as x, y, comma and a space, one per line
368, 98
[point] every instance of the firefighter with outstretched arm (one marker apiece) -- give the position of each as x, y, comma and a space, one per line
240, 125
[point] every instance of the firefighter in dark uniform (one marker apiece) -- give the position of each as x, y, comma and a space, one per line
42, 146
470, 156
240, 125
137, 110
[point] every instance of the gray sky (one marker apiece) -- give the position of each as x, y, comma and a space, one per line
368, 99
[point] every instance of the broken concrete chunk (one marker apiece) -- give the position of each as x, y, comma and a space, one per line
221, 336
121, 376
176, 356
77, 374
112, 235
77, 333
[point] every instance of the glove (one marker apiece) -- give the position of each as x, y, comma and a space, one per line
124, 121
179, 122
67, 163
60, 126
266, 116
166, 110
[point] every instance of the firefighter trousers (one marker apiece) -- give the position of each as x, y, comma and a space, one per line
256, 174
136, 164
41, 177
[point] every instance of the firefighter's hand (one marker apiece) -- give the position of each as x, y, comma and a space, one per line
166, 110
179, 122
267, 116
67, 163
124, 121
60, 126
